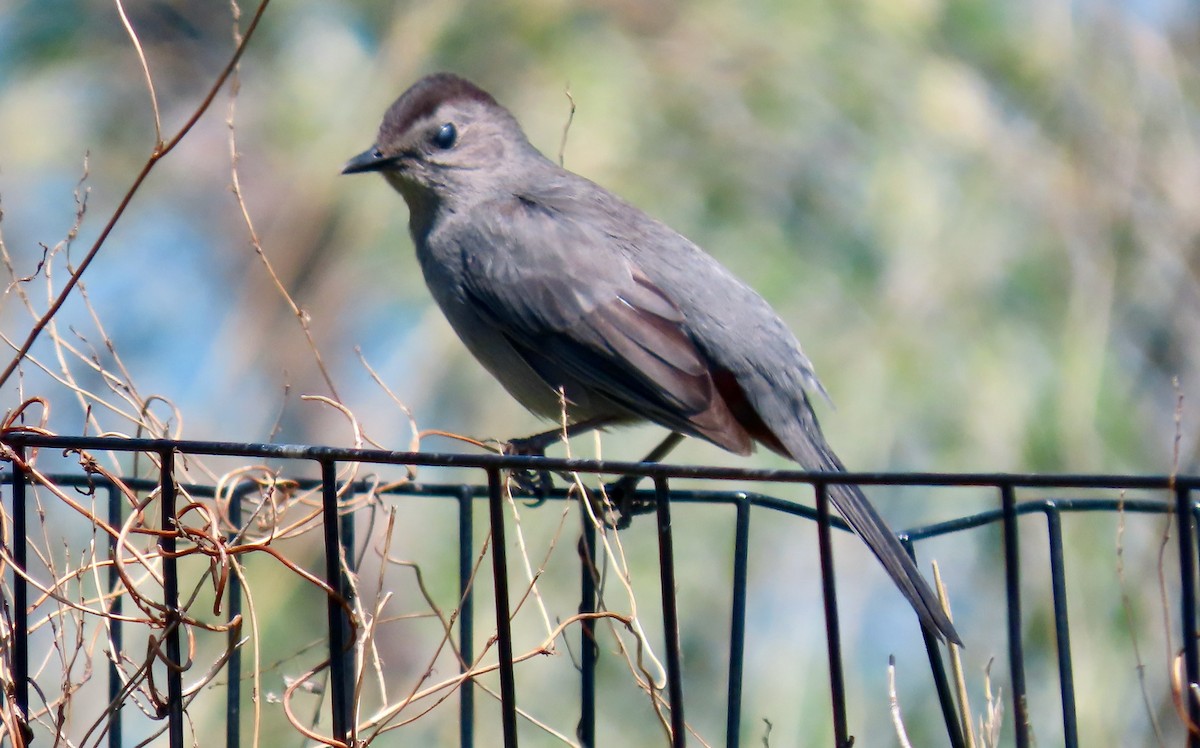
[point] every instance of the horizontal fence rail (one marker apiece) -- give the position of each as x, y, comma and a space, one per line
341, 556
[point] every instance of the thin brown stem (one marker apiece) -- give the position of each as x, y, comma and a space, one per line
160, 150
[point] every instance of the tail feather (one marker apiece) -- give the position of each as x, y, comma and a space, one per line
781, 418
811, 450
860, 515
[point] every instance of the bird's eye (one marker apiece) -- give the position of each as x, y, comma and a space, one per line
446, 136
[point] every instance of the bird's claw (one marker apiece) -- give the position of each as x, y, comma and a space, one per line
536, 483
624, 502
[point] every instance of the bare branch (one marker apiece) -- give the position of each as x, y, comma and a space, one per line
160, 150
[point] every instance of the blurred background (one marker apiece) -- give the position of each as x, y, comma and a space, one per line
979, 216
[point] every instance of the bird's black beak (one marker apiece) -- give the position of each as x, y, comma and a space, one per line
369, 160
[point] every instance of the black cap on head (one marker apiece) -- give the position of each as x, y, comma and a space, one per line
423, 99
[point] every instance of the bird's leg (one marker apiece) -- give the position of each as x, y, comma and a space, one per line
621, 493
536, 445
541, 483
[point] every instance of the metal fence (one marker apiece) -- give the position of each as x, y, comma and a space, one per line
338, 538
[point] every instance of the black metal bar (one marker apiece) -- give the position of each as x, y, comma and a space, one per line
1062, 628
1008, 515
115, 625
982, 519
833, 636
649, 469
172, 632
347, 537
666, 571
937, 668
1195, 520
508, 684
1187, 604
1127, 504
585, 731
737, 624
466, 614
233, 692
341, 663
20, 613
1012, 589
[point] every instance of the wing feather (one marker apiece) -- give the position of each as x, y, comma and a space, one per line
586, 319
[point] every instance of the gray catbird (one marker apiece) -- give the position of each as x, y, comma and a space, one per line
553, 282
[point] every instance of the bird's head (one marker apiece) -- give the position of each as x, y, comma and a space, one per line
445, 140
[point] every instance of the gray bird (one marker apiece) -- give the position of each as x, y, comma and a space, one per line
553, 282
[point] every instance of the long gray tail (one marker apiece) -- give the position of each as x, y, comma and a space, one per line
861, 515
856, 509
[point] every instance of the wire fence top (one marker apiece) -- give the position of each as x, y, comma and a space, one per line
319, 453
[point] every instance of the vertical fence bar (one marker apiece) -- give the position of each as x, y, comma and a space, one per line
233, 692
466, 614
937, 668
666, 568
347, 537
833, 636
116, 631
341, 663
508, 685
171, 598
1195, 526
1187, 603
737, 623
588, 649
1012, 588
20, 613
1062, 629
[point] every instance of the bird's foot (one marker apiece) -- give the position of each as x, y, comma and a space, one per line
623, 502
538, 483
